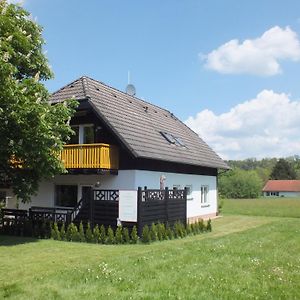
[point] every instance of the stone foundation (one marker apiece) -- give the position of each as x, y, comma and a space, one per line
192, 220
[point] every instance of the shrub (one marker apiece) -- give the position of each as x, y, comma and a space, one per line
153, 233
189, 229
103, 236
146, 238
169, 232
81, 234
239, 183
178, 231
201, 226
72, 233
220, 204
63, 232
159, 232
119, 235
110, 236
163, 231
55, 234
126, 236
96, 234
134, 235
89, 234
208, 225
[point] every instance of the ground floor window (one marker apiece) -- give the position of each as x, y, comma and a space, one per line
204, 194
66, 195
189, 191
274, 193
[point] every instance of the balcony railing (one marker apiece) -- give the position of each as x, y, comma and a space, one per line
90, 156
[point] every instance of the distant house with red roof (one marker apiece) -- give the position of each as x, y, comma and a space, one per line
282, 188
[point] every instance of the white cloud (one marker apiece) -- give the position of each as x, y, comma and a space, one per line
267, 126
258, 56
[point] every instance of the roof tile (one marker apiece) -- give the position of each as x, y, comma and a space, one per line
138, 124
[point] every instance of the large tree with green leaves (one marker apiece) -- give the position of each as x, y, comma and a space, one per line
32, 132
239, 183
283, 170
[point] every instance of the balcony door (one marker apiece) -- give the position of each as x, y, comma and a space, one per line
84, 134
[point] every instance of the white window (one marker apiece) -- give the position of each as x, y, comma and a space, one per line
177, 186
84, 134
189, 191
204, 194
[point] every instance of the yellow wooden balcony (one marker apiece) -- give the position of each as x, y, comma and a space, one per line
90, 156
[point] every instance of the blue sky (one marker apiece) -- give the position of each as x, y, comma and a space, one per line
182, 56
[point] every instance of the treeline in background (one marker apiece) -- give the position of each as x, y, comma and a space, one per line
247, 177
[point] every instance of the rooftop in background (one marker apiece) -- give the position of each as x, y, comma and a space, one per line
138, 124
282, 186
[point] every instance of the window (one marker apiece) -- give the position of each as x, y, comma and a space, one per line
74, 138
189, 191
66, 195
204, 194
88, 135
169, 137
274, 193
84, 134
173, 139
177, 186
268, 193
179, 141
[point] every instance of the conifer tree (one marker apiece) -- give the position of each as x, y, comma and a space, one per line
134, 235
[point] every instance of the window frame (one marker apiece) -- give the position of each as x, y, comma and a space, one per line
189, 193
204, 200
56, 193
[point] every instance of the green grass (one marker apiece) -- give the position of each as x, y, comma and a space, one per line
276, 207
245, 257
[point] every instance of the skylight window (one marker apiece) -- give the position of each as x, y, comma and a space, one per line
179, 141
173, 139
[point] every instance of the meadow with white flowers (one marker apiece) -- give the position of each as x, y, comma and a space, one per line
244, 257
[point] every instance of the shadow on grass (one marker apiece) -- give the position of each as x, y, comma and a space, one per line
9, 240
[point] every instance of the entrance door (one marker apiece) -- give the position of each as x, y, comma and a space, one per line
86, 191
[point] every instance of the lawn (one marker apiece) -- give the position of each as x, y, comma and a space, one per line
275, 207
245, 257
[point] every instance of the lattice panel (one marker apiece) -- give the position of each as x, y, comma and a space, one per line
176, 194
106, 195
149, 195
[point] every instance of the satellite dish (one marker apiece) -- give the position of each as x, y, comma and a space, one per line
130, 90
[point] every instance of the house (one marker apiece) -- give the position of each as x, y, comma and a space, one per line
122, 143
282, 188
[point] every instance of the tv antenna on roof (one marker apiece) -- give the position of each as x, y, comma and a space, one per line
130, 89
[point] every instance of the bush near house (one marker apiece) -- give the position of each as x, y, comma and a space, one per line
157, 232
101, 235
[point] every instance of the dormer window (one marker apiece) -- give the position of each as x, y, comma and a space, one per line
173, 139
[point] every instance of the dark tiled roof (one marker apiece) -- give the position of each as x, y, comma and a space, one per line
138, 124
282, 186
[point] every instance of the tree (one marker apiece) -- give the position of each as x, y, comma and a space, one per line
240, 184
32, 131
283, 170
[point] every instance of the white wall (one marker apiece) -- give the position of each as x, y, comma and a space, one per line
46, 193
131, 180
194, 207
